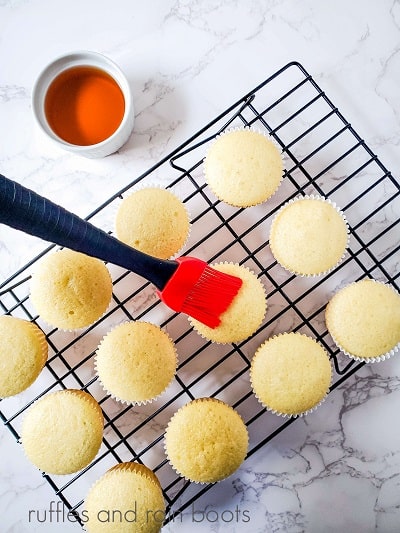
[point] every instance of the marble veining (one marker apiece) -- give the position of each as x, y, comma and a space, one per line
338, 468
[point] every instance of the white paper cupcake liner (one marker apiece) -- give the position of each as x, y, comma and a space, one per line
136, 468
137, 402
250, 334
299, 413
85, 397
80, 329
177, 472
180, 474
41, 358
142, 186
322, 199
378, 358
254, 130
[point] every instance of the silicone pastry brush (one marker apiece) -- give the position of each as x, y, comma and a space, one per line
187, 284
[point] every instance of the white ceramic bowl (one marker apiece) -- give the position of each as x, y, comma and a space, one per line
90, 59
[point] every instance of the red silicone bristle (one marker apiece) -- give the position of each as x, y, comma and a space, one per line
211, 296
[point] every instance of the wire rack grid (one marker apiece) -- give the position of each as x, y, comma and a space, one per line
323, 155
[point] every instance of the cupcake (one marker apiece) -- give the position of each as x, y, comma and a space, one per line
206, 440
290, 374
243, 167
244, 315
23, 354
136, 362
62, 432
154, 221
363, 319
126, 499
70, 290
309, 236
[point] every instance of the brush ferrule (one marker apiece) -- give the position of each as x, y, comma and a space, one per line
181, 282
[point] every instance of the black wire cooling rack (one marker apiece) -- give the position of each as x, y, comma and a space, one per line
323, 155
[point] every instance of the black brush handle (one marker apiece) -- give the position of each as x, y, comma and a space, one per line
25, 210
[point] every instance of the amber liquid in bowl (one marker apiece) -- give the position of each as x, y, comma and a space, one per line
84, 105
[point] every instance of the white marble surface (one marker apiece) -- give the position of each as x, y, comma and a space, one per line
338, 469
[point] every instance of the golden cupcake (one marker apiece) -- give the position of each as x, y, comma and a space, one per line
244, 315
136, 361
290, 374
70, 290
23, 354
62, 432
243, 167
154, 221
309, 236
363, 319
126, 499
206, 440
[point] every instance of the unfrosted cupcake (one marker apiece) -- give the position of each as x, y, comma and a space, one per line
136, 362
23, 354
154, 221
363, 319
62, 432
206, 440
243, 167
133, 493
309, 236
70, 290
246, 312
290, 374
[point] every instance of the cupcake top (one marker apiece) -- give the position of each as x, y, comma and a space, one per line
70, 290
363, 319
154, 221
246, 312
243, 167
290, 374
62, 432
23, 354
206, 440
133, 492
309, 236
136, 361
